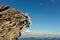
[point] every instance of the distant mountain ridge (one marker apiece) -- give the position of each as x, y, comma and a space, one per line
39, 38
30, 36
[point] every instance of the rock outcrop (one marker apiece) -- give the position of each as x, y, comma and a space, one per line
10, 23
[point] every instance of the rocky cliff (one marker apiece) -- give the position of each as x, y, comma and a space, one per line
10, 23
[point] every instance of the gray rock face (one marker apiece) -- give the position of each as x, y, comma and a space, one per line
10, 23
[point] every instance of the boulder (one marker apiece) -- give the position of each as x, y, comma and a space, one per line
10, 23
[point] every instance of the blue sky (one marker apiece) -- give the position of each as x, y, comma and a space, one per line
45, 14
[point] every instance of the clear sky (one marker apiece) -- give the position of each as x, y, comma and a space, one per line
45, 14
